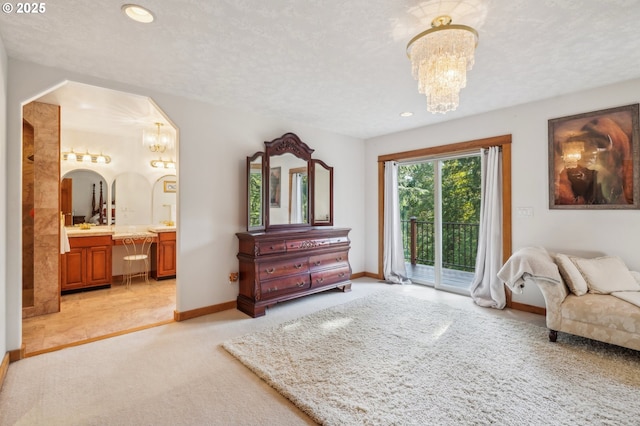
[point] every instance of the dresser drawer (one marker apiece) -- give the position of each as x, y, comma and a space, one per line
328, 260
294, 245
271, 270
269, 247
277, 287
330, 276
339, 240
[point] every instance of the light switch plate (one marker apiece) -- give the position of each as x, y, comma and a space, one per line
524, 211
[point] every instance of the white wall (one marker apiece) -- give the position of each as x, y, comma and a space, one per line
214, 143
4, 323
583, 232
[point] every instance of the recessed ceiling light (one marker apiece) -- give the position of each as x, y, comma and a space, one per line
406, 114
138, 13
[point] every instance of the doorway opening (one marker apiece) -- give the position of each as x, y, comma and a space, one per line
103, 179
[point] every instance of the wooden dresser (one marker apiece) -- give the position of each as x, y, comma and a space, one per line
278, 266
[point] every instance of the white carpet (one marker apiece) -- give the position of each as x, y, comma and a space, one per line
395, 359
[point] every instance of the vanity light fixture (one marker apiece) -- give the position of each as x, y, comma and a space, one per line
138, 13
71, 156
101, 159
162, 164
156, 139
86, 158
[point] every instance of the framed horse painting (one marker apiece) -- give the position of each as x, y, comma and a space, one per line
594, 160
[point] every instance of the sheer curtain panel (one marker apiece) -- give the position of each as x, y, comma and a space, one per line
394, 268
487, 289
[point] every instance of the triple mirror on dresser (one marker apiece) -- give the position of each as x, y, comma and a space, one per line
290, 248
286, 188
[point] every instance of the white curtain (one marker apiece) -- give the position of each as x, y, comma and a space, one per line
487, 289
296, 198
393, 257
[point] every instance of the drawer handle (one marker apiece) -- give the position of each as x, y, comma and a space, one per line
320, 280
270, 247
342, 274
270, 270
298, 266
339, 259
301, 284
269, 290
317, 263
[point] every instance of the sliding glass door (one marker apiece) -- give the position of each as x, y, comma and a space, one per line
440, 211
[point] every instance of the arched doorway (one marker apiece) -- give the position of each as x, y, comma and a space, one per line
106, 127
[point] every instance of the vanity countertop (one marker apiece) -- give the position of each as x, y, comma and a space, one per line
94, 231
162, 228
115, 232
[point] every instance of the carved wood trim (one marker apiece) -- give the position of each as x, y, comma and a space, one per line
289, 143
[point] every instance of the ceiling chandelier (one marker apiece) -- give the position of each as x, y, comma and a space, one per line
156, 139
440, 58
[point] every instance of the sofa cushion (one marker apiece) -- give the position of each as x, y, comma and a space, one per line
601, 310
606, 274
632, 297
571, 275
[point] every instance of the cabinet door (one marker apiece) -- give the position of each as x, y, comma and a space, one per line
166, 258
74, 269
99, 265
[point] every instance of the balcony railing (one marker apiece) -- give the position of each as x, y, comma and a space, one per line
459, 244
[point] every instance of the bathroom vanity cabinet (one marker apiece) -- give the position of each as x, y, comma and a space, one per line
88, 264
163, 256
90, 261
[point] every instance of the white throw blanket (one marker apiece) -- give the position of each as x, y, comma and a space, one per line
529, 261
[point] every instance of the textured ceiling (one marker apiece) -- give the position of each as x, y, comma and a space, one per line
333, 64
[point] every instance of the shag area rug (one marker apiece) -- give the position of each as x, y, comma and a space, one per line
393, 359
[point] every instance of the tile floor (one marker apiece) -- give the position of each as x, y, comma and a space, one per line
95, 314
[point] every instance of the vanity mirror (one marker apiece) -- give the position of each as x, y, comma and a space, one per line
286, 188
164, 201
83, 197
131, 195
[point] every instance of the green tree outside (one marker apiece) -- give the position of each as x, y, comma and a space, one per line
461, 194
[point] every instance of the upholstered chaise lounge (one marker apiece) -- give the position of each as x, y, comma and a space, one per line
594, 298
